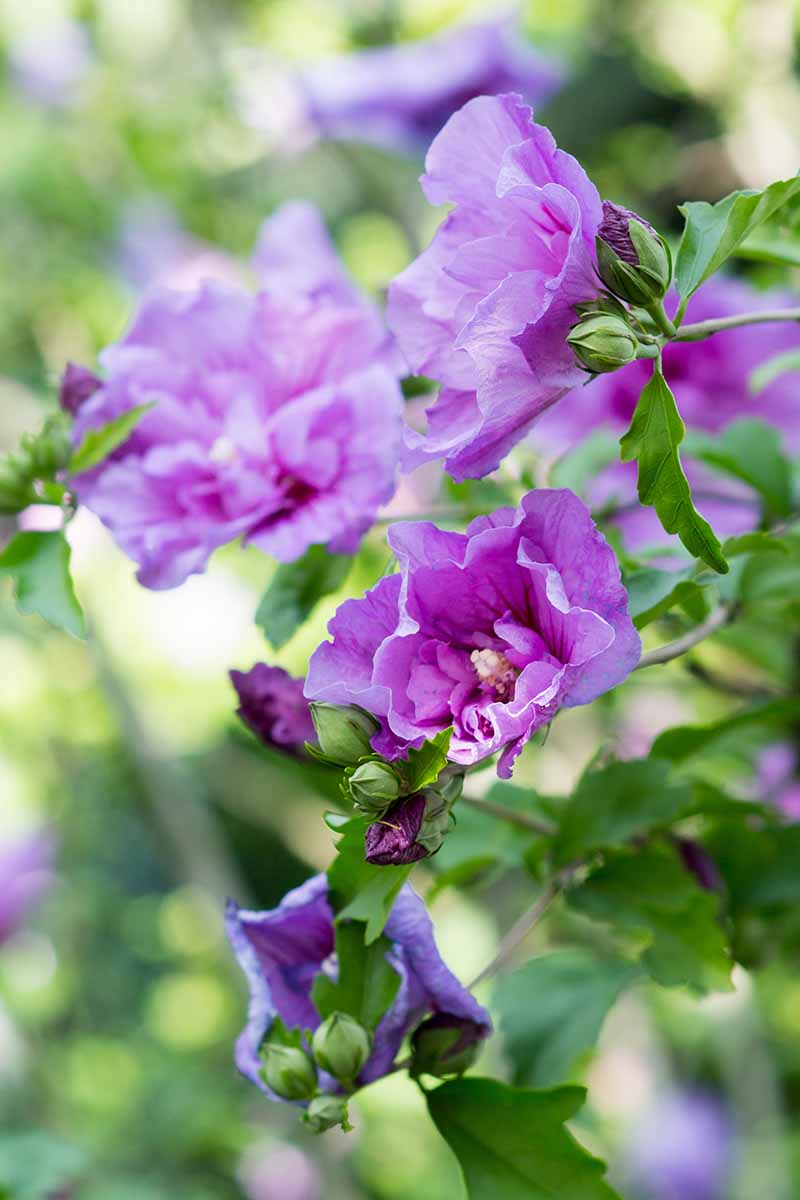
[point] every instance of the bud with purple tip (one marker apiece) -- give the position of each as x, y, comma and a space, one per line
77, 385
412, 829
445, 1045
632, 259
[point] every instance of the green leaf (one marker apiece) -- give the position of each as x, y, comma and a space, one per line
39, 565
652, 592
653, 439
98, 443
366, 983
753, 543
573, 990
685, 741
761, 868
782, 252
296, 588
750, 451
622, 801
779, 364
424, 766
38, 1166
512, 1144
360, 891
714, 231
663, 916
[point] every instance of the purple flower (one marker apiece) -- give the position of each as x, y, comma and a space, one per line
778, 779
392, 841
491, 631
276, 418
282, 951
487, 307
272, 704
25, 875
400, 96
683, 1149
615, 232
50, 63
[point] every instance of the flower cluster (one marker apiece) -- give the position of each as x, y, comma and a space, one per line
275, 417
490, 631
283, 951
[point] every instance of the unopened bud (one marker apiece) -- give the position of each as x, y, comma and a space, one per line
51, 449
603, 342
632, 259
341, 1047
343, 731
445, 1045
324, 1112
77, 385
392, 841
373, 786
436, 821
288, 1071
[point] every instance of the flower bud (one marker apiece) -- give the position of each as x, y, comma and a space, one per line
445, 1045
77, 385
51, 449
325, 1111
436, 820
15, 490
373, 786
341, 1047
603, 342
343, 731
632, 259
392, 841
288, 1071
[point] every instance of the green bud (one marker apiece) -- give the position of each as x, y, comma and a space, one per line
289, 1071
436, 820
632, 259
445, 1045
343, 731
604, 303
325, 1111
341, 1047
373, 786
603, 342
450, 784
51, 449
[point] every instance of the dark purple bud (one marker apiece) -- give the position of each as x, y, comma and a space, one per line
392, 841
445, 1045
272, 704
615, 231
77, 385
699, 862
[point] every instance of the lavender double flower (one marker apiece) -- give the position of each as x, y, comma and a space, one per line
486, 309
283, 950
490, 631
275, 418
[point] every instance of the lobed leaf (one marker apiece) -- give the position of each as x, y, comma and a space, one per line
653, 439
712, 232
366, 984
39, 566
512, 1143
296, 588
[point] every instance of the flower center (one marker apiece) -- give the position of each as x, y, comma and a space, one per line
495, 671
224, 452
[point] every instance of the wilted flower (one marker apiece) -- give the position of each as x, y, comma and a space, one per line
25, 875
400, 96
683, 1149
486, 309
271, 702
276, 419
392, 841
282, 951
490, 631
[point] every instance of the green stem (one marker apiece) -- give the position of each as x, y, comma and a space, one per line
659, 315
521, 820
704, 329
663, 654
519, 931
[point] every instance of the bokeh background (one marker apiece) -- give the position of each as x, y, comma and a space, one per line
145, 142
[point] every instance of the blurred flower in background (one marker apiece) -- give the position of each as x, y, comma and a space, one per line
280, 1172
394, 97
26, 874
153, 250
50, 62
272, 704
778, 779
683, 1149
